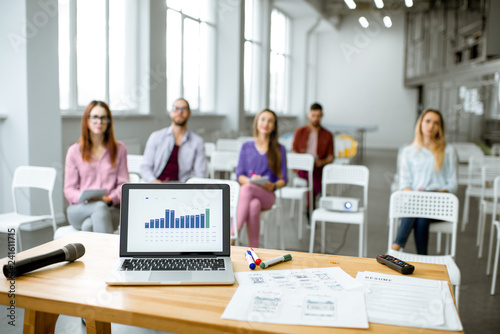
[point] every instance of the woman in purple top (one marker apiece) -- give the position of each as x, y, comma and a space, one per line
96, 161
260, 157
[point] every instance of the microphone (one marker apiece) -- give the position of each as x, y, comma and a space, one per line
70, 252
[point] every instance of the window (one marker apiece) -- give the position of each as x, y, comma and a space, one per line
190, 52
98, 54
279, 62
253, 57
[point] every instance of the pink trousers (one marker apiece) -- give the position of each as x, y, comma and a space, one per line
253, 199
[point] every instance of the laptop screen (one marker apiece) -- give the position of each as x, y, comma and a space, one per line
177, 219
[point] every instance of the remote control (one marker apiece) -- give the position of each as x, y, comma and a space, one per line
396, 264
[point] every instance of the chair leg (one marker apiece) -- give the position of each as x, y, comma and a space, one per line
301, 214
457, 293
480, 221
361, 241
495, 265
323, 233
480, 229
490, 249
465, 216
438, 243
19, 244
311, 239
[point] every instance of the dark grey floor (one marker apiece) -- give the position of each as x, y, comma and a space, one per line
479, 311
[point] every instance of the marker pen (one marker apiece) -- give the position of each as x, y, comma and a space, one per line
276, 260
254, 255
250, 262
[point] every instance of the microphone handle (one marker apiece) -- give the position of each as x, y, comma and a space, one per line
26, 265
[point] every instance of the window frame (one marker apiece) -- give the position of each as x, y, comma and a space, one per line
74, 107
199, 21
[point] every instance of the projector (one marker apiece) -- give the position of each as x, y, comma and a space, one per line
339, 203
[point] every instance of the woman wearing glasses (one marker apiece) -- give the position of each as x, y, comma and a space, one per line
428, 164
96, 161
262, 157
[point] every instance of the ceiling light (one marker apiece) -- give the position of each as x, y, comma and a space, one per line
364, 22
379, 3
409, 3
387, 21
350, 3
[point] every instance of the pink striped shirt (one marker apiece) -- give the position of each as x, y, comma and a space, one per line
98, 173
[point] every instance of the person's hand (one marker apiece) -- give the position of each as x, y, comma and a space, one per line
318, 163
407, 189
269, 186
157, 181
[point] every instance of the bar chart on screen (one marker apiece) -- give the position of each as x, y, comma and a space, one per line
175, 220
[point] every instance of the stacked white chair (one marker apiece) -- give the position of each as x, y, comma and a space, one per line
234, 196
489, 173
432, 205
223, 161
465, 151
303, 162
474, 184
343, 175
29, 177
134, 162
224, 144
495, 226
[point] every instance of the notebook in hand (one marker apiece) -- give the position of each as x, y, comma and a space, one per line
174, 234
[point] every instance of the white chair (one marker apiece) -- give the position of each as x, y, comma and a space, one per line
224, 144
209, 149
303, 162
234, 196
265, 216
286, 140
223, 161
495, 226
474, 186
36, 178
343, 175
432, 205
134, 162
495, 150
489, 173
465, 151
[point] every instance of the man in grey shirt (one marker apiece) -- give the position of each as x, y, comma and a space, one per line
174, 153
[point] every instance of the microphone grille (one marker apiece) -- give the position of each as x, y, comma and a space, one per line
75, 251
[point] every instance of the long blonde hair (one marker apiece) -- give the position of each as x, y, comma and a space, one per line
273, 152
439, 140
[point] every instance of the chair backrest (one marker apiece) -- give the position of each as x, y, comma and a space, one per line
209, 149
496, 197
489, 173
346, 174
223, 161
35, 177
476, 164
422, 204
495, 150
134, 162
223, 144
234, 196
466, 150
300, 161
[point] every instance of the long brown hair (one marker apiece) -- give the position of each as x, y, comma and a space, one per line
439, 140
109, 134
273, 152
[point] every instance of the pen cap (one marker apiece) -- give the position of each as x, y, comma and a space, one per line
287, 257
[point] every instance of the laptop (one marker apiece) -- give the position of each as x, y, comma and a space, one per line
174, 234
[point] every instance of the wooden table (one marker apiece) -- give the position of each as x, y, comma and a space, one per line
78, 289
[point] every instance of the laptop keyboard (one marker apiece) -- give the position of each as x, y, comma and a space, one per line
172, 264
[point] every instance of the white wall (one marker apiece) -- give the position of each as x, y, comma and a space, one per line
360, 80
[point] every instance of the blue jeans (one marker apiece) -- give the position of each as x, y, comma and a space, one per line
421, 227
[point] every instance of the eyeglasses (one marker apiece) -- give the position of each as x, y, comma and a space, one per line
96, 119
179, 109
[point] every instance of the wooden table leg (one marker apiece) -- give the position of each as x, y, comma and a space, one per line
39, 322
97, 327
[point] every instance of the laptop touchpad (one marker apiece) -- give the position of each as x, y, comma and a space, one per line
161, 276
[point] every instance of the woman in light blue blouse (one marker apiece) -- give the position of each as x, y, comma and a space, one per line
428, 164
